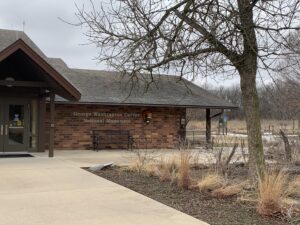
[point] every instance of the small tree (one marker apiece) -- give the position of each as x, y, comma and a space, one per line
192, 38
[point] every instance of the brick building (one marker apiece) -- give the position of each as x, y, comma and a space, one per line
45, 104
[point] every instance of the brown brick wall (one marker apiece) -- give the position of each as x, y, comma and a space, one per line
74, 125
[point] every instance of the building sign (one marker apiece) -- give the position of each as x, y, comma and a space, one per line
107, 117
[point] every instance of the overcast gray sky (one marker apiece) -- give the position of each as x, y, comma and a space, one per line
56, 38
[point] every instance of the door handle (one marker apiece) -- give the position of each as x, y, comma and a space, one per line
1, 129
6, 129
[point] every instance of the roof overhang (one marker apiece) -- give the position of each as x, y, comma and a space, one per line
60, 84
233, 107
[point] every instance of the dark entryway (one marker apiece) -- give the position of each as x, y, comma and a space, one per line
14, 125
27, 81
15, 155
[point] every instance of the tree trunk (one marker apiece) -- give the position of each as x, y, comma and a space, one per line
287, 146
252, 114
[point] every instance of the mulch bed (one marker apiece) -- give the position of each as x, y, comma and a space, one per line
199, 205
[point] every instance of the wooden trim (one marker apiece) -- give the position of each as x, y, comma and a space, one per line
144, 105
23, 83
217, 114
21, 45
41, 125
44, 95
19, 92
52, 125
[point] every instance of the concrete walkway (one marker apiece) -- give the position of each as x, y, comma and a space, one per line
86, 158
43, 191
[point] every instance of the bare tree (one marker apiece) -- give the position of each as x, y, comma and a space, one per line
233, 95
289, 73
279, 99
197, 37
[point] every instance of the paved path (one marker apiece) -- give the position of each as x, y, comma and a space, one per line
43, 191
85, 158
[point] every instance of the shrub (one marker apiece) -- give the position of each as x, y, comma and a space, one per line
150, 170
223, 160
136, 166
139, 162
168, 167
228, 191
294, 188
184, 170
271, 192
210, 182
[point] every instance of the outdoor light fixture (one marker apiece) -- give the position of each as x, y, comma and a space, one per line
182, 120
147, 116
9, 79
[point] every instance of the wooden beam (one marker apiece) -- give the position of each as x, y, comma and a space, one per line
208, 127
217, 114
52, 124
41, 125
44, 95
70, 91
10, 83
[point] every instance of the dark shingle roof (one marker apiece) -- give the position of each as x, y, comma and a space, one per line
8, 37
111, 88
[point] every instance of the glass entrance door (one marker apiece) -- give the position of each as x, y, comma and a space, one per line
15, 125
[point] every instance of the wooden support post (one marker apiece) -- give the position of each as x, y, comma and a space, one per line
208, 127
41, 126
52, 126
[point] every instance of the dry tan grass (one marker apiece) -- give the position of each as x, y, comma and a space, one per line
210, 182
271, 191
240, 125
236, 125
294, 188
183, 178
168, 168
136, 166
140, 161
150, 170
229, 191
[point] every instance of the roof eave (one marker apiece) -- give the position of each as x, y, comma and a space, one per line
72, 93
146, 105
